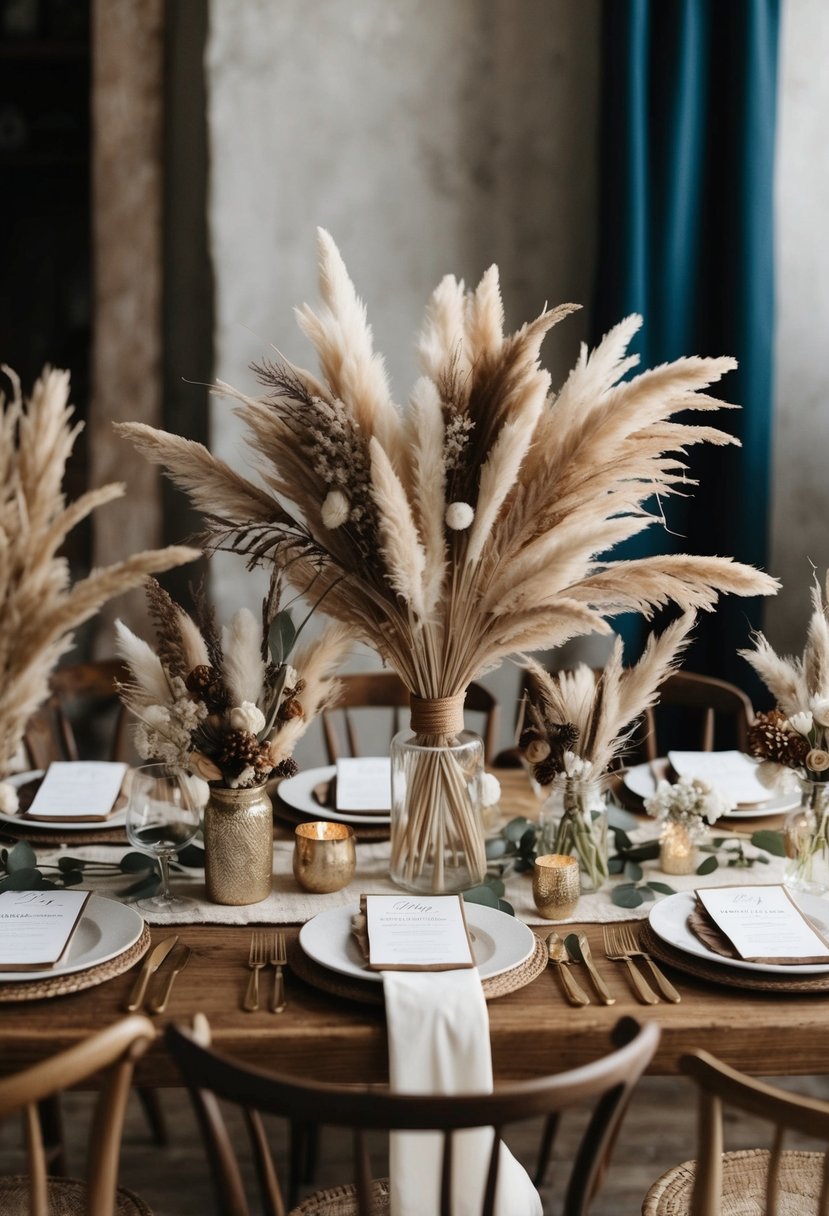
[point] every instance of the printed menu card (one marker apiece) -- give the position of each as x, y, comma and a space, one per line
364, 784
764, 925
78, 789
417, 933
36, 927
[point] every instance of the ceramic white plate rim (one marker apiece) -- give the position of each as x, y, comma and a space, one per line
107, 928
328, 940
640, 781
117, 820
669, 920
297, 792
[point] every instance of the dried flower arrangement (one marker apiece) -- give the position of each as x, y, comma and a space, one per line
41, 606
466, 527
226, 705
794, 737
687, 801
577, 722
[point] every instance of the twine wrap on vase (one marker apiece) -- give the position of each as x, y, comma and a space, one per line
437, 832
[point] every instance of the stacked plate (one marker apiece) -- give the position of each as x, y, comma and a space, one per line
117, 819
641, 780
297, 793
107, 929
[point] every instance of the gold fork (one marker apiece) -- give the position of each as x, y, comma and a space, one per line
615, 951
279, 957
257, 958
630, 941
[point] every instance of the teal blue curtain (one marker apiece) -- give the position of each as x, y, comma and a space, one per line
689, 97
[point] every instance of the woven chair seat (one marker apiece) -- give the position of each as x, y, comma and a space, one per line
67, 1197
342, 1201
744, 1185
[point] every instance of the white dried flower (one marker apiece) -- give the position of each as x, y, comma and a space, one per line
245, 778
817, 760
777, 777
247, 716
335, 509
490, 790
800, 723
291, 676
202, 766
8, 798
537, 750
198, 789
687, 801
156, 717
574, 766
459, 516
820, 710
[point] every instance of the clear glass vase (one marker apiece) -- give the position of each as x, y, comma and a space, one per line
573, 820
679, 845
806, 837
437, 818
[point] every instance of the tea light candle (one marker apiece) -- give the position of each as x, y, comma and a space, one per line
556, 885
324, 856
678, 854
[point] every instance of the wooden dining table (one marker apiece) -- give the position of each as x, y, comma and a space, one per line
534, 1030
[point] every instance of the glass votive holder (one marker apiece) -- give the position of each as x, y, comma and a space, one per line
325, 856
678, 852
556, 885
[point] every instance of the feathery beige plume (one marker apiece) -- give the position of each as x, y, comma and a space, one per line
243, 667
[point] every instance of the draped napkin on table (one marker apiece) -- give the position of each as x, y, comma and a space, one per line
438, 1031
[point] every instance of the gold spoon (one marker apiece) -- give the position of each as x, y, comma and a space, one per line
557, 953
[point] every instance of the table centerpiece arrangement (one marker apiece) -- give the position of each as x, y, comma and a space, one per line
792, 742
464, 527
575, 724
685, 809
41, 604
227, 707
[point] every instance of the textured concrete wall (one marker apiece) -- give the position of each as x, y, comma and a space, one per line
428, 138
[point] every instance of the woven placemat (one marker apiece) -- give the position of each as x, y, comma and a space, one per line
363, 831
60, 985
369, 992
733, 977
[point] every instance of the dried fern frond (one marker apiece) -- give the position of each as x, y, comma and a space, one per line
469, 524
40, 605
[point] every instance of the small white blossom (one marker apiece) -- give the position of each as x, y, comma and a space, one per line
245, 778
8, 798
198, 789
490, 790
800, 723
687, 801
820, 710
247, 716
335, 509
156, 716
459, 516
575, 766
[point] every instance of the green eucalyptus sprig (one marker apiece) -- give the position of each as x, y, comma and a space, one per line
627, 861
729, 851
21, 871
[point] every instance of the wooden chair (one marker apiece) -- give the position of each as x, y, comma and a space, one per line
721, 712
385, 690
82, 696
606, 1084
114, 1050
753, 1180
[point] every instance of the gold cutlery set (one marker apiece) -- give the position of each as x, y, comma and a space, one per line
266, 949
620, 945
178, 961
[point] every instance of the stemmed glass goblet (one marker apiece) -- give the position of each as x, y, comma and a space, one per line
162, 817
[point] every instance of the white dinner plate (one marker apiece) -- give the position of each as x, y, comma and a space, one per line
640, 780
107, 929
116, 820
669, 920
298, 792
499, 942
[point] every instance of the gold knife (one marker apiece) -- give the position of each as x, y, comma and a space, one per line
151, 963
177, 963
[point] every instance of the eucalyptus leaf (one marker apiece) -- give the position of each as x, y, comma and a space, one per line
281, 637
495, 848
772, 842
622, 840
527, 842
618, 817
708, 866
192, 855
633, 871
661, 887
615, 865
71, 878
135, 863
27, 879
495, 884
21, 857
516, 828
145, 886
646, 892
71, 863
626, 897
481, 895
505, 906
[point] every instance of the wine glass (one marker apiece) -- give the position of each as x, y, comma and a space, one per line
162, 817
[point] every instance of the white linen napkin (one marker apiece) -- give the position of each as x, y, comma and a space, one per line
438, 1030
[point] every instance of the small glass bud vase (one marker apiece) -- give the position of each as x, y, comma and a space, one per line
679, 846
573, 820
805, 835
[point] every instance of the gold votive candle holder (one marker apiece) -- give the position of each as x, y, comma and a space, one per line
678, 852
556, 885
325, 856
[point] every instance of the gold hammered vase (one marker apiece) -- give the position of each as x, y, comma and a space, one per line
238, 845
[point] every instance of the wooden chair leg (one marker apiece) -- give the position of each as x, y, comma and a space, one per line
302, 1168
51, 1126
154, 1114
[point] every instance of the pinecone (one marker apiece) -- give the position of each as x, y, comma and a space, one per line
768, 739
240, 748
290, 708
205, 683
548, 769
286, 768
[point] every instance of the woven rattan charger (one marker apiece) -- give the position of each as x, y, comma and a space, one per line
76, 981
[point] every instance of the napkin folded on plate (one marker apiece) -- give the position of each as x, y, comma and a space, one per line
438, 1032
325, 795
85, 791
705, 929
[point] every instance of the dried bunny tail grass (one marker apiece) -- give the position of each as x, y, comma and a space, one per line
194, 649
425, 435
343, 341
653, 582
243, 668
213, 487
783, 676
149, 681
442, 344
404, 555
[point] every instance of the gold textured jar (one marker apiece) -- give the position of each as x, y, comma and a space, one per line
238, 845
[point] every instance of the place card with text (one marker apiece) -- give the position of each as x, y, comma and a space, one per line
364, 784
85, 790
36, 927
764, 924
417, 933
732, 774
